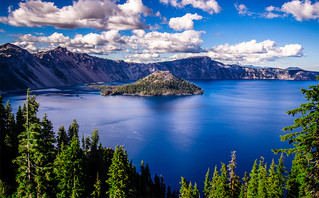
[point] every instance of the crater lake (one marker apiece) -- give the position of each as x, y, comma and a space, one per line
181, 135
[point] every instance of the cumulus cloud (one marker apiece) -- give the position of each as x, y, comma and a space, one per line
302, 10
185, 22
299, 9
142, 57
210, 6
102, 15
112, 41
249, 52
242, 10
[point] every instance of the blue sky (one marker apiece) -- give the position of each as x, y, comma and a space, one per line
265, 33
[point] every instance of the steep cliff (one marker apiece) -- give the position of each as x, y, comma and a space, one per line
60, 67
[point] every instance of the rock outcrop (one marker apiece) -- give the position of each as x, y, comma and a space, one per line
59, 67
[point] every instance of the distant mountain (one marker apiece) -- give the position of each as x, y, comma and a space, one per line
159, 83
253, 67
59, 67
294, 68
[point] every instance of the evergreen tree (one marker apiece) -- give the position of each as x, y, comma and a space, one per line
119, 181
162, 187
243, 191
95, 138
252, 190
207, 184
281, 176
223, 187
296, 185
73, 130
69, 170
214, 184
169, 192
3, 189
262, 179
195, 191
83, 143
234, 181
183, 192
62, 138
306, 141
97, 188
31, 156
273, 182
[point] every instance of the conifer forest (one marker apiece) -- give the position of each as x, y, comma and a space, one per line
38, 162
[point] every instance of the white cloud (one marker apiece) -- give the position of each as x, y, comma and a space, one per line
142, 57
242, 10
249, 52
111, 41
102, 15
299, 9
185, 22
2, 31
302, 10
210, 6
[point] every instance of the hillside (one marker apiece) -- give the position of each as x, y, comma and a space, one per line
59, 67
159, 83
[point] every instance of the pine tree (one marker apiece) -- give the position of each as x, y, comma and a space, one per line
195, 191
207, 184
234, 181
62, 138
97, 188
306, 141
119, 181
281, 176
69, 170
252, 190
31, 156
183, 192
296, 185
162, 187
214, 184
3, 189
262, 179
169, 192
95, 138
223, 187
243, 191
73, 130
273, 182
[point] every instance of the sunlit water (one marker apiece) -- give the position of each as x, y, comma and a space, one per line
182, 135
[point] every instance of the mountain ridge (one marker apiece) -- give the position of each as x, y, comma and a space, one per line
59, 67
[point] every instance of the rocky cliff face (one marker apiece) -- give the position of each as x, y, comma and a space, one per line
60, 67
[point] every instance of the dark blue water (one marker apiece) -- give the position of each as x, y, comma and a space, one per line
184, 135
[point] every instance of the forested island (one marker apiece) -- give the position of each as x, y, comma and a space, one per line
37, 163
159, 83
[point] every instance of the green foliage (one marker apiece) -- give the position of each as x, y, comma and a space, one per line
158, 83
252, 190
69, 170
223, 187
207, 184
3, 189
119, 181
214, 183
234, 181
262, 179
306, 141
97, 188
73, 131
62, 138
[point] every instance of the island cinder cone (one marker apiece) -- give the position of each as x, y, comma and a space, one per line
159, 83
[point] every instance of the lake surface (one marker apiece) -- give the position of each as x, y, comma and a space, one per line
182, 135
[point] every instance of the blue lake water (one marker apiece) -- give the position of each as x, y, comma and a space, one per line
182, 135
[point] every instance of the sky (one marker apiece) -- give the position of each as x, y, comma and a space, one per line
267, 33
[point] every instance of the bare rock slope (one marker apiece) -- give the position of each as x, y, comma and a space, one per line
20, 69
